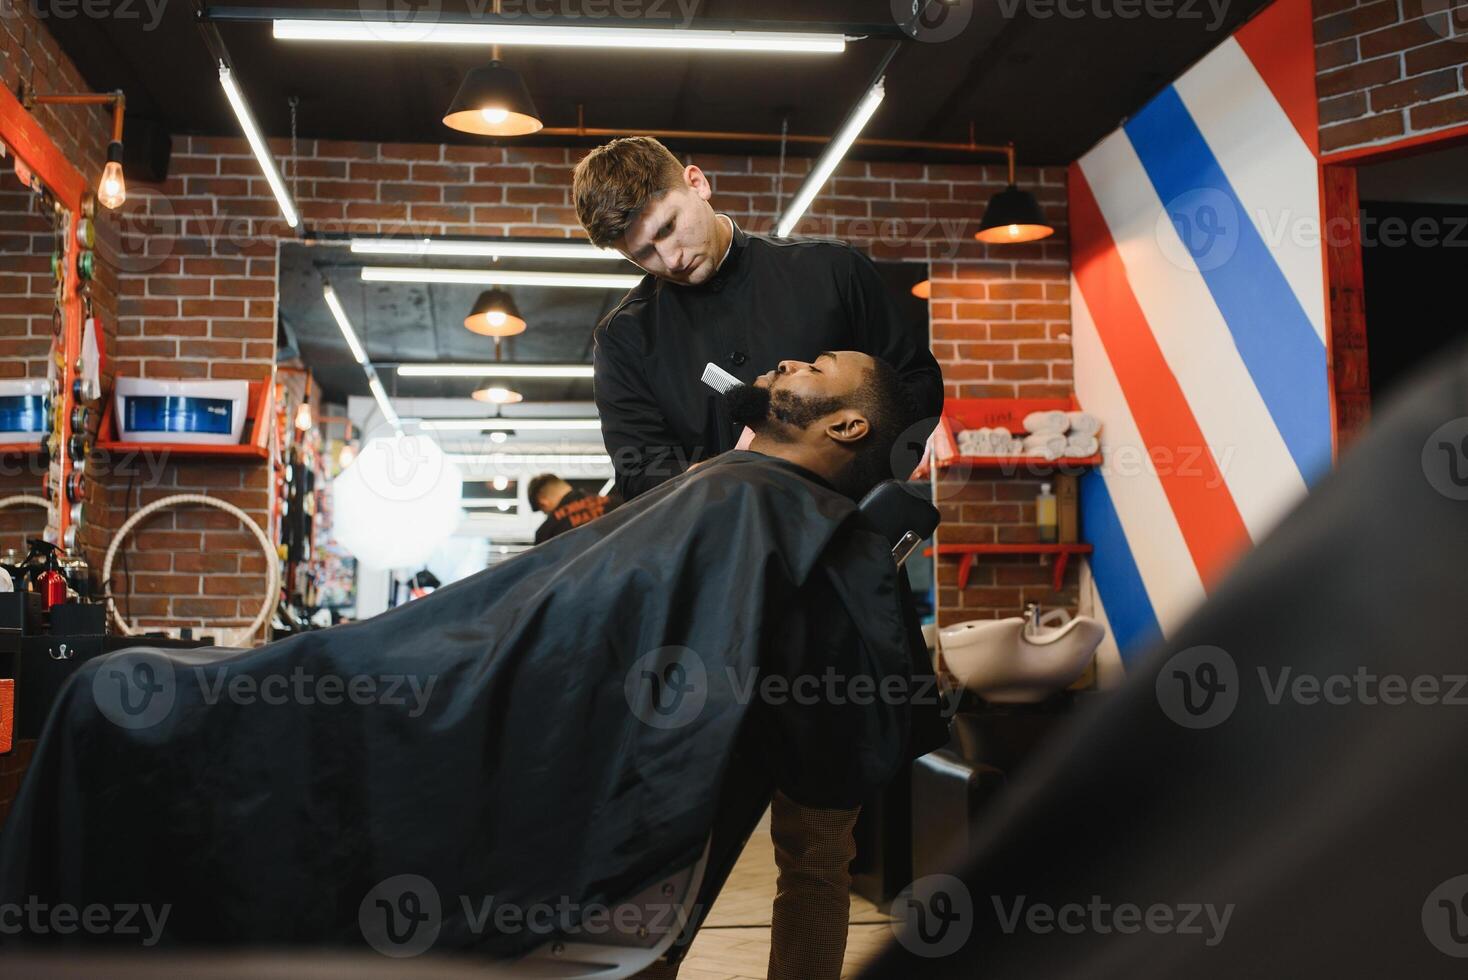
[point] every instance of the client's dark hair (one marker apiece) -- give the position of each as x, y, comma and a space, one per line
537, 484
884, 400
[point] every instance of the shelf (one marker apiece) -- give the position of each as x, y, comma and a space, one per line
1008, 413
969, 552
19, 448
256, 449
1015, 462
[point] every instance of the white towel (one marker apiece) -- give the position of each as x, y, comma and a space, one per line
1038, 422
1083, 423
1051, 445
984, 441
1080, 444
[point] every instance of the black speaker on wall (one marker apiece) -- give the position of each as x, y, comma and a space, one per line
147, 146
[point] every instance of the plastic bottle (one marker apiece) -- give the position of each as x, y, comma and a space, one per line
1045, 518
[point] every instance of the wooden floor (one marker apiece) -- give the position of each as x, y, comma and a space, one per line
734, 942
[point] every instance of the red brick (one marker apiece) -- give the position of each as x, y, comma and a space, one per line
1341, 108
1368, 130
1364, 75
1356, 21
1440, 55
1410, 34
1410, 91
1337, 54
1445, 112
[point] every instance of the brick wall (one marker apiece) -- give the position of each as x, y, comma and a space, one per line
1387, 69
196, 262
1000, 316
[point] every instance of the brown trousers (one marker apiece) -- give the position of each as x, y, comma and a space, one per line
813, 852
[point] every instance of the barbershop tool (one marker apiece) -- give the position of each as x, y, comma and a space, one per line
719, 379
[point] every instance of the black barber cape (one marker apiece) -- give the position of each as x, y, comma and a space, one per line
569, 750
1270, 760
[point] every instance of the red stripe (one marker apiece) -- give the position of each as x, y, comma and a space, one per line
1280, 42
1205, 510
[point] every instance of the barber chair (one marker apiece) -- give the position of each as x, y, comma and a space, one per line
903, 515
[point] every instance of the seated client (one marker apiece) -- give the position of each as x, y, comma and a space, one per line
549, 733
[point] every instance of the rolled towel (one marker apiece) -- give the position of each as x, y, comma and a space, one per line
1016, 447
1083, 423
1051, 445
1080, 444
1041, 422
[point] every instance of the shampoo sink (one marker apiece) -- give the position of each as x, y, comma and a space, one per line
1011, 661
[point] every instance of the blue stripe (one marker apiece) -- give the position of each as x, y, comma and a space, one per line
1280, 349
1128, 610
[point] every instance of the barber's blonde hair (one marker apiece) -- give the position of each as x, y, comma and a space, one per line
613, 184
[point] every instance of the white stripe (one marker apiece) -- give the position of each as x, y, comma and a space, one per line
1271, 169
1156, 542
1256, 464
1110, 670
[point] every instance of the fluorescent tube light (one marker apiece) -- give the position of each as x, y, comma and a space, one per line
257, 144
494, 370
550, 35
502, 424
517, 462
488, 277
834, 154
334, 304
382, 402
485, 249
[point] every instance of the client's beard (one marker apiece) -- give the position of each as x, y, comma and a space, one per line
760, 408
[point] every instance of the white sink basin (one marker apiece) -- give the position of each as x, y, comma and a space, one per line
1002, 661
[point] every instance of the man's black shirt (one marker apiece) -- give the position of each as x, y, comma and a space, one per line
771, 299
576, 508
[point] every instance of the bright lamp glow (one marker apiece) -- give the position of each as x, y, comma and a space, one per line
834, 154
477, 277
540, 35
303, 416
485, 249
498, 395
396, 502
495, 370
257, 144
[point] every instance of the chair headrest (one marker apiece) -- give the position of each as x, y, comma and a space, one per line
900, 511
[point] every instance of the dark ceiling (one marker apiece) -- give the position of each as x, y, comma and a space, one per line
1023, 70
407, 322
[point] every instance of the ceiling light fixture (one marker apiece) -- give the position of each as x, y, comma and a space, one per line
482, 249
493, 101
486, 277
833, 156
501, 424
494, 369
257, 144
1012, 215
333, 303
358, 28
495, 315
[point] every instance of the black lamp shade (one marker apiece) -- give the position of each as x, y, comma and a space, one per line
495, 315
493, 101
1013, 216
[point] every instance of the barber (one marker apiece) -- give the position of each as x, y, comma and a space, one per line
713, 293
747, 303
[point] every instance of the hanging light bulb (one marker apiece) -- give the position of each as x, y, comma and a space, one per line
303, 416
493, 101
498, 436
347, 455
112, 189
498, 395
501, 482
495, 315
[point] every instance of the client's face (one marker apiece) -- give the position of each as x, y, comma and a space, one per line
798, 394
